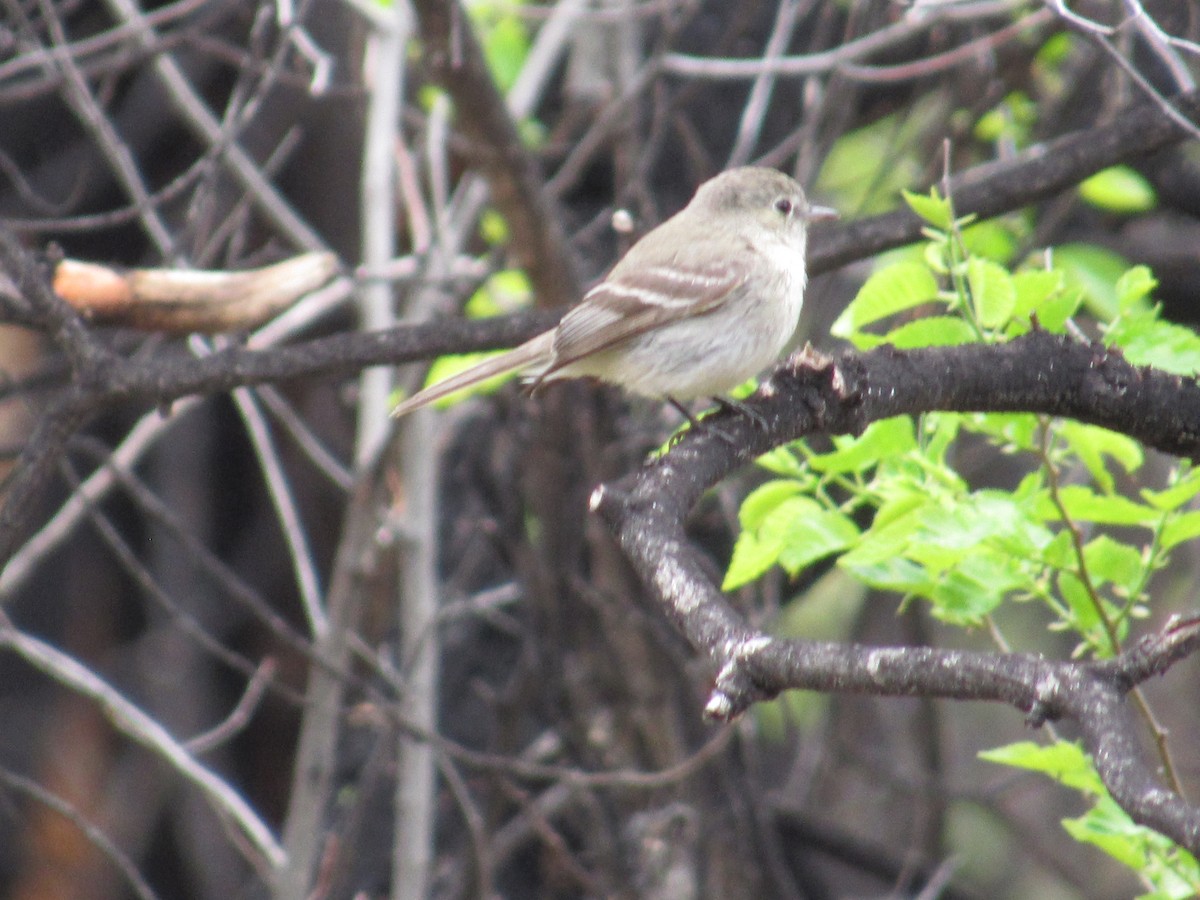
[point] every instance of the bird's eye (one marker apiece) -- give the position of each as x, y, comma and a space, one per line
784, 205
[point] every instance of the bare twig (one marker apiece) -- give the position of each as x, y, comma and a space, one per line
138, 726
21, 785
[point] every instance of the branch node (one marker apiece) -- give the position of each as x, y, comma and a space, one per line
735, 689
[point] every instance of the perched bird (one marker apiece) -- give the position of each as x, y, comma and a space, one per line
701, 303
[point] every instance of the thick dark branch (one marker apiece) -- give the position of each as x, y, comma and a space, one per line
1037, 373
539, 240
170, 378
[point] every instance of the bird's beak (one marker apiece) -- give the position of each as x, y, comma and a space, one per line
822, 214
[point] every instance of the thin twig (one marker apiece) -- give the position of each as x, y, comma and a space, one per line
144, 730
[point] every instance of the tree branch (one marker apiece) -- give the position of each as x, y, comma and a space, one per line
538, 237
1039, 372
1003, 186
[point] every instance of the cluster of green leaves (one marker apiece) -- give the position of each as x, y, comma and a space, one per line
1072, 534
1170, 872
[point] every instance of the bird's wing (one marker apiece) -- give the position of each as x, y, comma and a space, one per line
635, 301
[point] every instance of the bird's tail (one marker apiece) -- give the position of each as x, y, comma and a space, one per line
530, 355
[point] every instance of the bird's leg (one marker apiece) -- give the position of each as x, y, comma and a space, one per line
686, 413
737, 406
699, 425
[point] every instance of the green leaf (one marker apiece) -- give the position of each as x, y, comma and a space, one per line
1108, 828
815, 537
505, 43
1147, 341
1181, 528
1119, 189
1095, 271
1111, 561
1065, 762
1084, 505
764, 500
1093, 444
932, 331
992, 292
1012, 431
978, 517
973, 589
1135, 286
756, 550
1010, 121
931, 207
884, 438
890, 573
891, 290
1085, 616
865, 168
1171, 871
1032, 288
1175, 495
493, 228
752, 556
882, 544
992, 239
503, 292
784, 461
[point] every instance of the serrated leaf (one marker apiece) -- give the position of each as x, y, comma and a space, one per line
1032, 289
1110, 561
991, 239
1119, 189
1147, 341
884, 438
1053, 314
1108, 829
992, 292
756, 550
1065, 762
1185, 527
1093, 444
1084, 614
1176, 494
815, 537
890, 573
752, 556
1171, 871
932, 331
1013, 431
1084, 505
973, 589
764, 500
784, 461
891, 290
932, 208
1135, 286
882, 544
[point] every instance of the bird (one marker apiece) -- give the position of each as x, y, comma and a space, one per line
697, 306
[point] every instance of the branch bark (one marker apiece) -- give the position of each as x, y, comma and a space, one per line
1039, 372
538, 237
